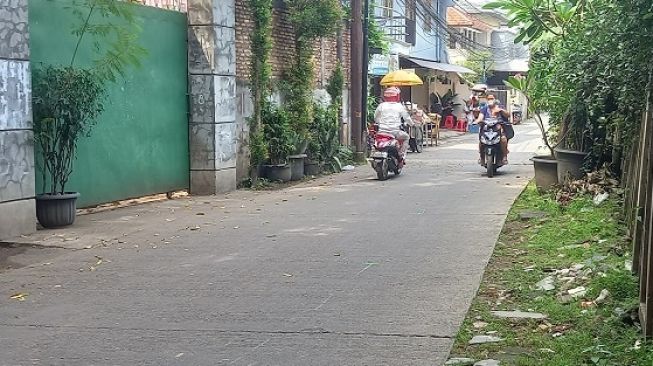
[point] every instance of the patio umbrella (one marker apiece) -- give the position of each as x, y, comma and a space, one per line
401, 78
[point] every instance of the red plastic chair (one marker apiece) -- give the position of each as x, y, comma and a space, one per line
449, 122
461, 125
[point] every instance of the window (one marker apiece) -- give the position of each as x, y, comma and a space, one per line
470, 36
452, 41
386, 8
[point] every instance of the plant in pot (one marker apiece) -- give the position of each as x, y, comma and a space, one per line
298, 157
67, 100
327, 137
571, 150
545, 166
280, 138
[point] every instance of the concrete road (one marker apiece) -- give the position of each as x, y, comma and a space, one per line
345, 270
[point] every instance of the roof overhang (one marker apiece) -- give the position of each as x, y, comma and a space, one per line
439, 66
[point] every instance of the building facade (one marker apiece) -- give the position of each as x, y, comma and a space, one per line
414, 27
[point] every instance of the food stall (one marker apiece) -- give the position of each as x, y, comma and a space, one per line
425, 126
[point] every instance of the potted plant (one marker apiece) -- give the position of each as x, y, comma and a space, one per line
67, 101
545, 166
312, 164
296, 161
279, 137
571, 151
327, 138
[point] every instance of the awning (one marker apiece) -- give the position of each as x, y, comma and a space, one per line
439, 66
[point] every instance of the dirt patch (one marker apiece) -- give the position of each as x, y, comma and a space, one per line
15, 255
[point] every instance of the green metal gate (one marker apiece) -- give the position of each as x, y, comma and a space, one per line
139, 146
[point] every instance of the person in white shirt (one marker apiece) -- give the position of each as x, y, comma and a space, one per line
389, 116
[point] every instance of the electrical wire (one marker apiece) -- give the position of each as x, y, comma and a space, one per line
425, 13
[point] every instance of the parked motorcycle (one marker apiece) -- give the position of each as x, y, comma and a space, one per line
490, 138
386, 155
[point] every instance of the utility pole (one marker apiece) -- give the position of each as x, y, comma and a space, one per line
356, 77
366, 63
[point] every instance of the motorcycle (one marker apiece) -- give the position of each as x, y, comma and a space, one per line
386, 155
490, 138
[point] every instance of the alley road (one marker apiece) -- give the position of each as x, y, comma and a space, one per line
345, 270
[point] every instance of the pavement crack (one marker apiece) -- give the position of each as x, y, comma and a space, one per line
231, 331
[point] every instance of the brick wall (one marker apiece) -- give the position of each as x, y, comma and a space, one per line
283, 46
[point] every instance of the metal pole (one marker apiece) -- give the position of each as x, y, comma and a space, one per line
366, 62
356, 77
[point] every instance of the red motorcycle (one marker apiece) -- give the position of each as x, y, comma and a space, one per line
386, 154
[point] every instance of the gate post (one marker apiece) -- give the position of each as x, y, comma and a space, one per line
212, 96
17, 205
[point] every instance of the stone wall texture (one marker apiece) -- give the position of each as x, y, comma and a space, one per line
16, 136
14, 35
213, 130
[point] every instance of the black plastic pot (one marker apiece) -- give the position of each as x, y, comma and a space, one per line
570, 163
278, 173
312, 167
56, 210
546, 172
297, 166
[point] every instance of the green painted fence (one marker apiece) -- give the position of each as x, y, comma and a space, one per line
140, 143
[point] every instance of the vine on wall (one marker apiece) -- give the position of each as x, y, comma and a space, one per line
311, 20
261, 84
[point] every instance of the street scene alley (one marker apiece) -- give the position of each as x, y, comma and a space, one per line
341, 270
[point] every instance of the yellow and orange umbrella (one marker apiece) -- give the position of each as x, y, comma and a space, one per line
401, 78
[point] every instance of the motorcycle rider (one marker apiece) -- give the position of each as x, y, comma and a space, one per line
493, 110
389, 116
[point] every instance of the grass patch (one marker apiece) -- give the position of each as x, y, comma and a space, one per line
576, 332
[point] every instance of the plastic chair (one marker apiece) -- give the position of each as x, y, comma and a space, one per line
449, 122
461, 125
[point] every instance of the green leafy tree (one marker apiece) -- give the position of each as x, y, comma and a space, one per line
590, 65
481, 63
113, 29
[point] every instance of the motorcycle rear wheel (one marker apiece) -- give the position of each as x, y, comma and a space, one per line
382, 171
